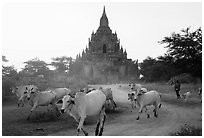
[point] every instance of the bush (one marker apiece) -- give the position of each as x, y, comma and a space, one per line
187, 130
183, 78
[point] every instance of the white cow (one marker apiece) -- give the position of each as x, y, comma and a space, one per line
83, 105
149, 98
135, 87
20, 92
61, 92
131, 97
43, 98
109, 95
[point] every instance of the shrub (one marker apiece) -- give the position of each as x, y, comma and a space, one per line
183, 78
187, 130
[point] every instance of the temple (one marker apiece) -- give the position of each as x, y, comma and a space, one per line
104, 59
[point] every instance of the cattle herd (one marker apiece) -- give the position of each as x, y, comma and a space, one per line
89, 101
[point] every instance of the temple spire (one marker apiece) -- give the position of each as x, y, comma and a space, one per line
104, 10
104, 19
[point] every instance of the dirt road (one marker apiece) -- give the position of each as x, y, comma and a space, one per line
122, 121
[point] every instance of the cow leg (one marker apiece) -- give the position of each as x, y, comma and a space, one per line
155, 113
135, 103
80, 126
32, 109
146, 112
99, 122
23, 101
20, 102
132, 103
102, 120
155, 110
113, 103
97, 128
55, 108
85, 133
140, 111
160, 105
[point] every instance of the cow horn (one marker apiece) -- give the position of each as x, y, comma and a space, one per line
71, 95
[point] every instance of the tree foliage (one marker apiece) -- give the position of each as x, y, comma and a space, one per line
62, 64
184, 55
9, 76
35, 67
186, 50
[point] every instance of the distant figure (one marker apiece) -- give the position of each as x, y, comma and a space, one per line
200, 94
200, 91
177, 88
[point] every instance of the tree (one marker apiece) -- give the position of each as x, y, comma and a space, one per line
186, 50
62, 64
159, 69
146, 68
35, 67
9, 75
8, 71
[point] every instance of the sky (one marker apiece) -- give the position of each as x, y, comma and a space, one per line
52, 29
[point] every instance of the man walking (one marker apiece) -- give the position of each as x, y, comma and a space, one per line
177, 88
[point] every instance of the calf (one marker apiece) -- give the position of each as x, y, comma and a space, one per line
146, 99
186, 96
131, 97
43, 98
135, 87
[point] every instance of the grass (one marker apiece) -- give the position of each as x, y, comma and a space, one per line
188, 130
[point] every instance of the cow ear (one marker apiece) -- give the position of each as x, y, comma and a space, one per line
60, 102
